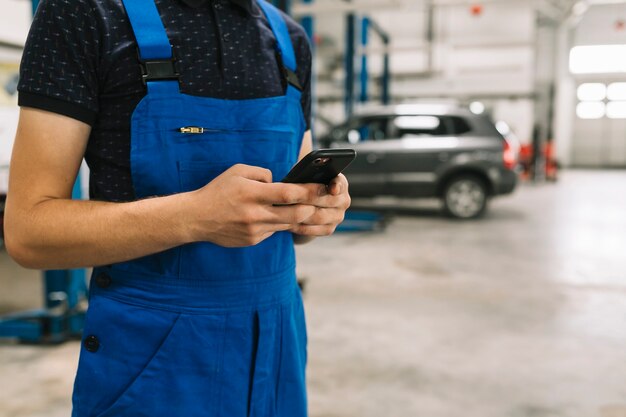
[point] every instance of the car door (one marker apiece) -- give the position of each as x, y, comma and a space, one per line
422, 143
366, 135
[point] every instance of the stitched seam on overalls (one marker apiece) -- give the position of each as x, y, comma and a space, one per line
199, 311
198, 282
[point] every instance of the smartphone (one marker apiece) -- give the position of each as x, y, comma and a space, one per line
320, 166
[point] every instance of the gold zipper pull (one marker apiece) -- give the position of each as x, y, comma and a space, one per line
191, 129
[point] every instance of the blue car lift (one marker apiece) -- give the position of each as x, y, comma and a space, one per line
362, 220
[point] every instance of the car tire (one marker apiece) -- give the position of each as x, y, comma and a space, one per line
465, 197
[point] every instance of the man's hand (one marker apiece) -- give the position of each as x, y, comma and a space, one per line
330, 209
242, 207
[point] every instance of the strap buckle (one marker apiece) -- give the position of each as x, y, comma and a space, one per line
292, 78
158, 70
289, 76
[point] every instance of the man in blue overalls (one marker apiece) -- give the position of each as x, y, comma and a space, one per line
194, 309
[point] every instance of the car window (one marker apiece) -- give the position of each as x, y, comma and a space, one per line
376, 128
458, 125
362, 129
411, 126
379, 128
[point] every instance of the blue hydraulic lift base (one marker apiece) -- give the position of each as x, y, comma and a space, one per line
42, 326
363, 221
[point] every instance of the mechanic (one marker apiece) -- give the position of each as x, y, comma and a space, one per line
186, 112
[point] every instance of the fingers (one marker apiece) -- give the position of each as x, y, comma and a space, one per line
338, 185
252, 172
284, 194
325, 217
316, 230
290, 214
317, 195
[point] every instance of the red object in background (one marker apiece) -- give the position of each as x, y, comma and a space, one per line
317, 39
620, 25
551, 164
476, 9
508, 156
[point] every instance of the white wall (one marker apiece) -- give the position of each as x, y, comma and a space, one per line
598, 26
15, 18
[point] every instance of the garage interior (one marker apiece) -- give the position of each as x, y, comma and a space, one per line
518, 313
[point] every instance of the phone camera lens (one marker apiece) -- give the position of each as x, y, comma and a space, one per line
321, 161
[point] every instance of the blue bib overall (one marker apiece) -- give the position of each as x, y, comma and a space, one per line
199, 330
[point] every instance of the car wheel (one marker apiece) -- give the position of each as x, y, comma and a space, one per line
465, 197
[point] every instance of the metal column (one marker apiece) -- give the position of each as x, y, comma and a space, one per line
308, 25
284, 5
350, 52
365, 27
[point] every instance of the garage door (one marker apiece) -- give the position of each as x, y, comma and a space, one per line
600, 127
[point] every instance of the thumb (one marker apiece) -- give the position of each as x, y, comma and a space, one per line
334, 188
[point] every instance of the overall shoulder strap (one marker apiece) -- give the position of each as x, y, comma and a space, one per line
285, 46
155, 51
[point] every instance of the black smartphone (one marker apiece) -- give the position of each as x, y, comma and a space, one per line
320, 166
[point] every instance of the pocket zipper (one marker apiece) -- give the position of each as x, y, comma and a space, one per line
198, 130
194, 130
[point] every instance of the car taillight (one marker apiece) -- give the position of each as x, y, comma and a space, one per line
508, 156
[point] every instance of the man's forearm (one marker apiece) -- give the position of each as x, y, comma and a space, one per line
58, 233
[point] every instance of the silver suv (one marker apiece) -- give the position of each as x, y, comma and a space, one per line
428, 151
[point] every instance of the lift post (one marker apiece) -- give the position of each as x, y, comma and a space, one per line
370, 25
284, 5
350, 54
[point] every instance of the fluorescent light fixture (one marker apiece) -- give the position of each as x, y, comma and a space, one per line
598, 59
591, 110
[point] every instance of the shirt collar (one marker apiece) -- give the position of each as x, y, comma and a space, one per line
244, 4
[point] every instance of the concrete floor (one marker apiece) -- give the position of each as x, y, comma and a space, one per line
521, 314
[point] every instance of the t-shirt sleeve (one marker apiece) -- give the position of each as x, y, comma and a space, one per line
58, 72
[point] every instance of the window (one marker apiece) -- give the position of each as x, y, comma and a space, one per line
366, 128
616, 110
411, 126
592, 92
397, 127
597, 100
591, 110
598, 59
459, 126
616, 91
428, 123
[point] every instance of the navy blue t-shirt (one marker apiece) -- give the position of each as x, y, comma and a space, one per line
81, 60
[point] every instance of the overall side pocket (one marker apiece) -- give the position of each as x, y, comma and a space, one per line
118, 343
